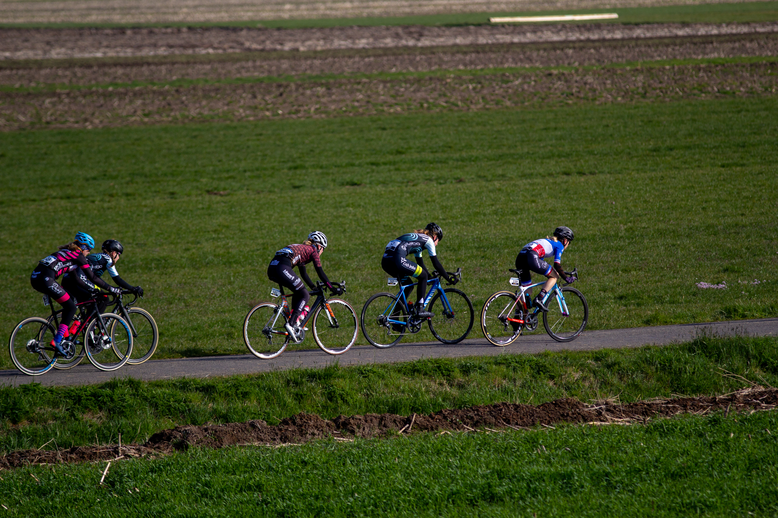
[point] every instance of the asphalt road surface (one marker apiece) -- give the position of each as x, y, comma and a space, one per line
214, 366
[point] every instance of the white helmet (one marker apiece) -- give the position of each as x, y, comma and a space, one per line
318, 237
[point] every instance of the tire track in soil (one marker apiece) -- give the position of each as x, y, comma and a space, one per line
305, 427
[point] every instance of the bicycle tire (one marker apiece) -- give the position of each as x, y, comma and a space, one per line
373, 318
263, 333
451, 324
27, 346
561, 327
145, 337
108, 350
64, 364
494, 319
335, 326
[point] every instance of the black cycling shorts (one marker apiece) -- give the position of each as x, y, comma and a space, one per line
399, 266
528, 261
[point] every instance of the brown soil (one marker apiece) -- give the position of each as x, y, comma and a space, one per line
146, 76
306, 427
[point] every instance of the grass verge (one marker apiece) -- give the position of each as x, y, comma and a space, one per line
711, 465
34, 416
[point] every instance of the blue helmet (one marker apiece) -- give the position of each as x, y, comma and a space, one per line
85, 240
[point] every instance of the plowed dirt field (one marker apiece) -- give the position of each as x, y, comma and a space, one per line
60, 78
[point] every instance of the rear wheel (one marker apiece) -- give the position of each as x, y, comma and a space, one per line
108, 346
263, 331
335, 326
566, 319
494, 319
29, 346
384, 320
453, 320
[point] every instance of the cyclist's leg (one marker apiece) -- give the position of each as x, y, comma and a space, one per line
281, 272
530, 261
45, 283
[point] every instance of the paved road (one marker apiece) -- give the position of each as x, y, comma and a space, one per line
402, 352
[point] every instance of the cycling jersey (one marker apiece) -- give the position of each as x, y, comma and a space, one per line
411, 243
301, 254
64, 260
544, 247
102, 263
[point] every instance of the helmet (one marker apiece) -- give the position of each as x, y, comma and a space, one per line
85, 239
564, 232
435, 229
112, 245
318, 237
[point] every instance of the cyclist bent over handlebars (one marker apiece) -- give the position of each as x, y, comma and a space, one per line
530, 259
281, 271
395, 262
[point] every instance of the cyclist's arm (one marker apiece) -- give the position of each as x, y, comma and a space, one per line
439, 267
90, 277
323, 276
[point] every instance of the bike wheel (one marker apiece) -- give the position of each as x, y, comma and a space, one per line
453, 318
29, 346
566, 326
495, 325
108, 348
263, 331
375, 320
335, 326
63, 363
145, 335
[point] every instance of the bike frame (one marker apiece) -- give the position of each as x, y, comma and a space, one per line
122, 307
521, 297
321, 300
401, 296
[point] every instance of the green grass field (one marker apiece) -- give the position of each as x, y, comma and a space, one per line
661, 196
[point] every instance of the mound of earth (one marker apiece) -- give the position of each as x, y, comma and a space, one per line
306, 427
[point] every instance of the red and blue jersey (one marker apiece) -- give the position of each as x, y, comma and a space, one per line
546, 247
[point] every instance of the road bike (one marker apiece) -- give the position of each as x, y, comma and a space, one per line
145, 333
333, 320
104, 338
506, 314
386, 318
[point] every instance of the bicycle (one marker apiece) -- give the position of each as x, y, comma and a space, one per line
334, 324
105, 338
145, 333
505, 314
385, 318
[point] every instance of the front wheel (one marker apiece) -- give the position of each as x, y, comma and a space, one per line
495, 315
335, 326
384, 320
264, 332
145, 335
108, 345
453, 318
567, 315
29, 346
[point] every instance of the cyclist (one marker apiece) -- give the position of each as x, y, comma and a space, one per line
44, 279
395, 262
75, 280
530, 259
281, 271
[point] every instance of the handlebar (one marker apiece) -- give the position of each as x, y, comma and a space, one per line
457, 274
573, 274
320, 286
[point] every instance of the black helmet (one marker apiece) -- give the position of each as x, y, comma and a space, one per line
435, 229
564, 232
112, 245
